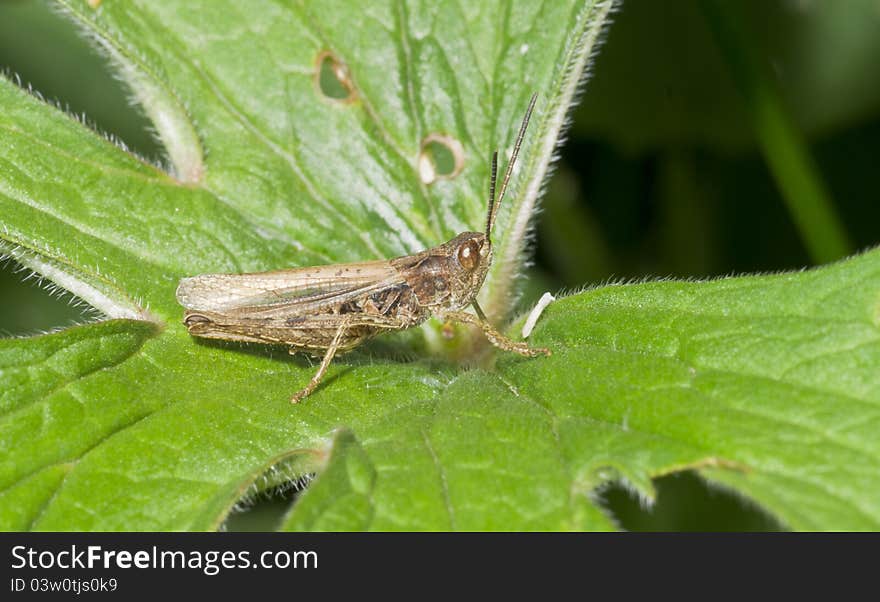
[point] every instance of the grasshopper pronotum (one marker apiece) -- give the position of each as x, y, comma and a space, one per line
333, 308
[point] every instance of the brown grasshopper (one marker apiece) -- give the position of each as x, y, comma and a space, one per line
330, 309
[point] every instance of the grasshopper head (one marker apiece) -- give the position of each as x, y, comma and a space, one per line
470, 255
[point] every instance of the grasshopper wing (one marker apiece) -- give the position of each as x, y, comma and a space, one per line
302, 290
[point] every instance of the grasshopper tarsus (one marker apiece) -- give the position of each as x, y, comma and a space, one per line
526, 351
493, 336
334, 308
506, 343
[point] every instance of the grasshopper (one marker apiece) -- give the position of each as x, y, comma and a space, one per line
331, 309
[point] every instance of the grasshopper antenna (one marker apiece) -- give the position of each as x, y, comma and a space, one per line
492, 178
493, 204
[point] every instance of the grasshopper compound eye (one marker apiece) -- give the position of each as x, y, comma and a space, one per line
468, 255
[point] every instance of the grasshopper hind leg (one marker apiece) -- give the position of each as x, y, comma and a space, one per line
322, 369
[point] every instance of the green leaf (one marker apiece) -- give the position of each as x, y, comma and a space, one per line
765, 384
266, 165
266, 171
342, 499
773, 378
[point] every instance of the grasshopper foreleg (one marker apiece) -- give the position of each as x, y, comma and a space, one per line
492, 335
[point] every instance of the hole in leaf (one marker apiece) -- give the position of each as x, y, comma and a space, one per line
333, 78
441, 157
685, 502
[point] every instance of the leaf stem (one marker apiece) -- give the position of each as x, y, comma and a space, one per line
782, 144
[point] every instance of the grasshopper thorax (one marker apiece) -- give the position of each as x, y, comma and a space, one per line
448, 276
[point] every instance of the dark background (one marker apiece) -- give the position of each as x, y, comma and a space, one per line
697, 111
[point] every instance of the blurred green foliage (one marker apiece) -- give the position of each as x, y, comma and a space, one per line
661, 174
